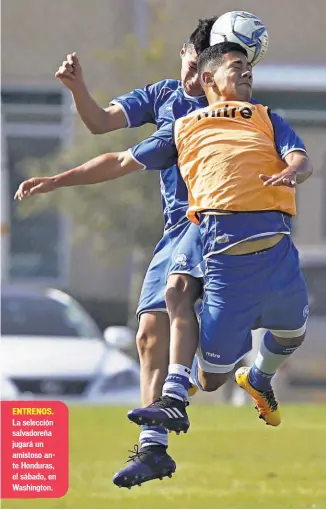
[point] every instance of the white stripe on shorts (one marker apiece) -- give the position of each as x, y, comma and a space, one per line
289, 333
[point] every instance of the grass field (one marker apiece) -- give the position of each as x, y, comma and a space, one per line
229, 459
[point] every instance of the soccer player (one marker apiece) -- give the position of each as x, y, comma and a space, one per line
241, 164
225, 153
160, 104
160, 151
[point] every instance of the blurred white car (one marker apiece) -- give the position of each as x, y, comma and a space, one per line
52, 349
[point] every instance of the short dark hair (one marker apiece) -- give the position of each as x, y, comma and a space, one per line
212, 57
199, 39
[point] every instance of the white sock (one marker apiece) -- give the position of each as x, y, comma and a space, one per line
177, 382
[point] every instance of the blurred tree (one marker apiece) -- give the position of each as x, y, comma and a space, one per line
124, 214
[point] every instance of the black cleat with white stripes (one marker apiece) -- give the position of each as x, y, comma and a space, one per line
165, 411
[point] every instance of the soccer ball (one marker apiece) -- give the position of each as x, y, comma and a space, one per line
242, 28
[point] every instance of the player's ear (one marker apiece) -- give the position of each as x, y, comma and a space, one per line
183, 50
207, 79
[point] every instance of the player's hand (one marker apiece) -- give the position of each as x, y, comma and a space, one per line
34, 186
285, 178
70, 72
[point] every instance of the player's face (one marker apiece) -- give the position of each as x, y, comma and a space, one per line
233, 77
189, 72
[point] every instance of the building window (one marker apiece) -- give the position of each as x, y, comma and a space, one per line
35, 123
297, 107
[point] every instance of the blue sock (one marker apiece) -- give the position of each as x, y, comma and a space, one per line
259, 380
270, 357
177, 382
153, 436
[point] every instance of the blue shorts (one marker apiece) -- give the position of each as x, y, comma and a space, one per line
179, 251
245, 292
187, 255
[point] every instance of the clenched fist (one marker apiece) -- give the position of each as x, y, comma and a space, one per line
70, 72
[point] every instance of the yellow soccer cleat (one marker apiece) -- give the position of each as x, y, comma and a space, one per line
266, 403
192, 390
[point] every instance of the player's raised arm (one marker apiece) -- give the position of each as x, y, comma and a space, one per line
101, 169
129, 110
98, 120
156, 152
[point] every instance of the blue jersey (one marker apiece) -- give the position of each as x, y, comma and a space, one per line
161, 104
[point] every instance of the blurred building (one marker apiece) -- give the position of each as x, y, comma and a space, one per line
37, 118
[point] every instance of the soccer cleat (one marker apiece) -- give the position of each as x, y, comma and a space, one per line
165, 411
266, 403
149, 463
192, 390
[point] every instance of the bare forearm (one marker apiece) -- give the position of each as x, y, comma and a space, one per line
100, 169
304, 171
96, 119
302, 166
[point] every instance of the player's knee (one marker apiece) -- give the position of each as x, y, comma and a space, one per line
297, 341
291, 342
176, 292
152, 342
145, 339
182, 292
212, 382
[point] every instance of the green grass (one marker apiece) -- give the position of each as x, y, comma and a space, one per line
229, 459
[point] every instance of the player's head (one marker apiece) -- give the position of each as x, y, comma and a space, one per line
197, 42
225, 73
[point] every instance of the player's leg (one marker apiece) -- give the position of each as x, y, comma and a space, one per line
257, 379
231, 392
182, 293
184, 290
185, 336
153, 339
153, 342
151, 461
285, 315
223, 341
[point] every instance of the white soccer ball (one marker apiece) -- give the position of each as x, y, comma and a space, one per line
242, 28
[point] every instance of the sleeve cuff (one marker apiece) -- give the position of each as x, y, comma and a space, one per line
135, 159
294, 149
124, 111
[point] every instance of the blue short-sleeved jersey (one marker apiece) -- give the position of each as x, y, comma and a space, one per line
161, 104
